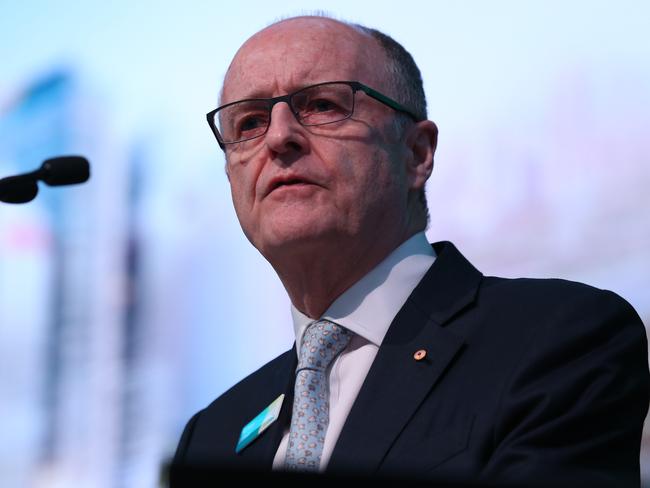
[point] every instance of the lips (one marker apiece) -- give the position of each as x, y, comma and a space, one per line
286, 181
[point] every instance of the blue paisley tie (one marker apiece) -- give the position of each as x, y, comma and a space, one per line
321, 343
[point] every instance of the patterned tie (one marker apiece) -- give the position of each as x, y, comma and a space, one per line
321, 343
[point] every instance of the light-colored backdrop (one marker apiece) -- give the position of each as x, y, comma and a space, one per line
130, 302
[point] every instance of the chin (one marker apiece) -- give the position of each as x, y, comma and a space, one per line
295, 236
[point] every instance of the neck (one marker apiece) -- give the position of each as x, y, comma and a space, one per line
316, 275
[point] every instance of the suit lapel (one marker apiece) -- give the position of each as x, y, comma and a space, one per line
396, 383
263, 449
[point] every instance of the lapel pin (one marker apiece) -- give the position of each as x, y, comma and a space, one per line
420, 354
259, 424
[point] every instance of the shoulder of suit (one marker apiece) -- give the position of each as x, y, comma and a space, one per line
548, 289
558, 303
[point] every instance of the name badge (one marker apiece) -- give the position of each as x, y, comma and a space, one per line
259, 424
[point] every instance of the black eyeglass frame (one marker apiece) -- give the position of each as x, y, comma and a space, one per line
355, 85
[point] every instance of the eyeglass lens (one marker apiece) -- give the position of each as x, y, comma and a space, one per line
314, 105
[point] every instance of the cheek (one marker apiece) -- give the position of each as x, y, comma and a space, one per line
384, 186
242, 205
242, 178
379, 171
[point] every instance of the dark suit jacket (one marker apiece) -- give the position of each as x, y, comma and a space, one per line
524, 380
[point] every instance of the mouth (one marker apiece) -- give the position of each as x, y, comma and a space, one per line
291, 182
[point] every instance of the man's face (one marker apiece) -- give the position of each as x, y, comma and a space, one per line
315, 186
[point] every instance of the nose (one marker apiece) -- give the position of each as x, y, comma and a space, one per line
285, 134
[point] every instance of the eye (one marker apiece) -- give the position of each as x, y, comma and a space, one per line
250, 124
321, 105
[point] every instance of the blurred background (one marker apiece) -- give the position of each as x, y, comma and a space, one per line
130, 302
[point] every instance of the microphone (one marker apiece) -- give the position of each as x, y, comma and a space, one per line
63, 170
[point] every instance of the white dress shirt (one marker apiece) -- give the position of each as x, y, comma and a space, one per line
367, 308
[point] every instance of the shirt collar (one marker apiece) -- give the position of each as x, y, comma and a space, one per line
368, 307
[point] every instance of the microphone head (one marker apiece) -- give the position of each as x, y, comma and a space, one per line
64, 170
18, 189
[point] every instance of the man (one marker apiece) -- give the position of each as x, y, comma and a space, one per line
407, 362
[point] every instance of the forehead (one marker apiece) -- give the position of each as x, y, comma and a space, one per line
298, 52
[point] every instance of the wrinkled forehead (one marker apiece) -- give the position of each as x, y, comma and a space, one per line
298, 52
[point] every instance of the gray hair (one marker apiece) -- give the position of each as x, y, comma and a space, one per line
406, 80
402, 72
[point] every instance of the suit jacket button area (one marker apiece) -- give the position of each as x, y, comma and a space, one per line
420, 354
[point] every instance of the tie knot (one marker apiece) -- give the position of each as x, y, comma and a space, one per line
322, 342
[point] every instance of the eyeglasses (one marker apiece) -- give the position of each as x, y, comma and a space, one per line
324, 103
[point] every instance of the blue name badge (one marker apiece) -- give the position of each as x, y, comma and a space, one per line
259, 424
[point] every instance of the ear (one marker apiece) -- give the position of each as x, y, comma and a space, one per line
421, 140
